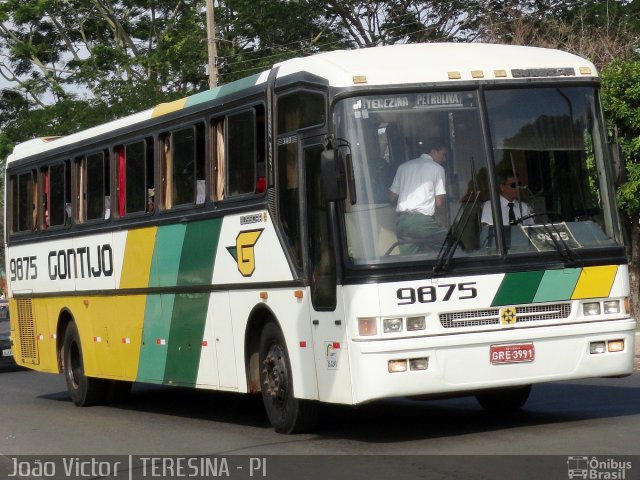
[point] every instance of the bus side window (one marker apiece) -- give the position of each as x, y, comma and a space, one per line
218, 160
135, 177
301, 109
54, 189
167, 170
92, 181
23, 202
295, 111
201, 183
241, 153
182, 160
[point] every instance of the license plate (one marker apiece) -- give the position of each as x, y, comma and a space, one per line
7, 352
520, 353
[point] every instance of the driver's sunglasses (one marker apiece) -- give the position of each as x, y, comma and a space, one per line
512, 185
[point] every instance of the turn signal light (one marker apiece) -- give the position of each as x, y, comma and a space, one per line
367, 326
396, 366
615, 345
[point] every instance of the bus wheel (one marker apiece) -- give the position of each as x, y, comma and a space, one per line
504, 400
286, 413
83, 390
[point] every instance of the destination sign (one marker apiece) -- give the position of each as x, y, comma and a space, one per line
431, 100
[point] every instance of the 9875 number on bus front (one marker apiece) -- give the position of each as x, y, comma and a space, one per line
431, 293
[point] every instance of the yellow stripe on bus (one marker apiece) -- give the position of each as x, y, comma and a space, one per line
169, 107
595, 282
128, 335
137, 258
110, 333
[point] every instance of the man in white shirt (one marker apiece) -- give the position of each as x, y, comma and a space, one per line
511, 207
419, 190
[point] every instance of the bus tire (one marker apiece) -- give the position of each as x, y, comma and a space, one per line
84, 391
286, 413
504, 400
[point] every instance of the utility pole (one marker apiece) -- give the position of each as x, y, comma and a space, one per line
211, 42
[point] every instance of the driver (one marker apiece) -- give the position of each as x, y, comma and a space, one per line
511, 206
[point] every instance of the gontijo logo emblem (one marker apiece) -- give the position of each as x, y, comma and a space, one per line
243, 251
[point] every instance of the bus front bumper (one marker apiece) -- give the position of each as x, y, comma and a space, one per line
476, 361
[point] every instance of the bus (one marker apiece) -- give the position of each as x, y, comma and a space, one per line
243, 239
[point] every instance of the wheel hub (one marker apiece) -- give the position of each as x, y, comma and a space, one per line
276, 380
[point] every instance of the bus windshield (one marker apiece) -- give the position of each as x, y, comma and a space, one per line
427, 162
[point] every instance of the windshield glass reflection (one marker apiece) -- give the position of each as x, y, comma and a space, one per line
419, 186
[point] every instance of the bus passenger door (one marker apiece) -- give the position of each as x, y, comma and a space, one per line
218, 357
326, 306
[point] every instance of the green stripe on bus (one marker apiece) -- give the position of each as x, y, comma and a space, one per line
190, 309
198, 252
222, 90
155, 337
166, 256
517, 288
165, 264
557, 285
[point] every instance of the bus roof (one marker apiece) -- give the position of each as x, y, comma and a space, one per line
438, 62
388, 65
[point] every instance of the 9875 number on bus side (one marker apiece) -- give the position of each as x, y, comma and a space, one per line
23, 268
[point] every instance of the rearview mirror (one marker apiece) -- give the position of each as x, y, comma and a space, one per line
619, 167
333, 176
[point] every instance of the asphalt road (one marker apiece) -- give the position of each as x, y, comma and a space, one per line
399, 438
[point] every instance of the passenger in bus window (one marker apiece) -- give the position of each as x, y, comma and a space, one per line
419, 190
511, 205
150, 200
68, 219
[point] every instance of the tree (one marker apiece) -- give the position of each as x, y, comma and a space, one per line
376, 22
255, 34
621, 101
101, 48
598, 30
77, 63
95, 60
606, 32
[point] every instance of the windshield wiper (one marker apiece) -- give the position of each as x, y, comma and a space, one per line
561, 246
455, 232
564, 250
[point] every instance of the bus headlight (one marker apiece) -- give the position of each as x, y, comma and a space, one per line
415, 323
612, 306
391, 325
591, 308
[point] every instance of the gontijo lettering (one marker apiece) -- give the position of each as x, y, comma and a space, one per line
82, 262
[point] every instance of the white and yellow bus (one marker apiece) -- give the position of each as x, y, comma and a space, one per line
242, 239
